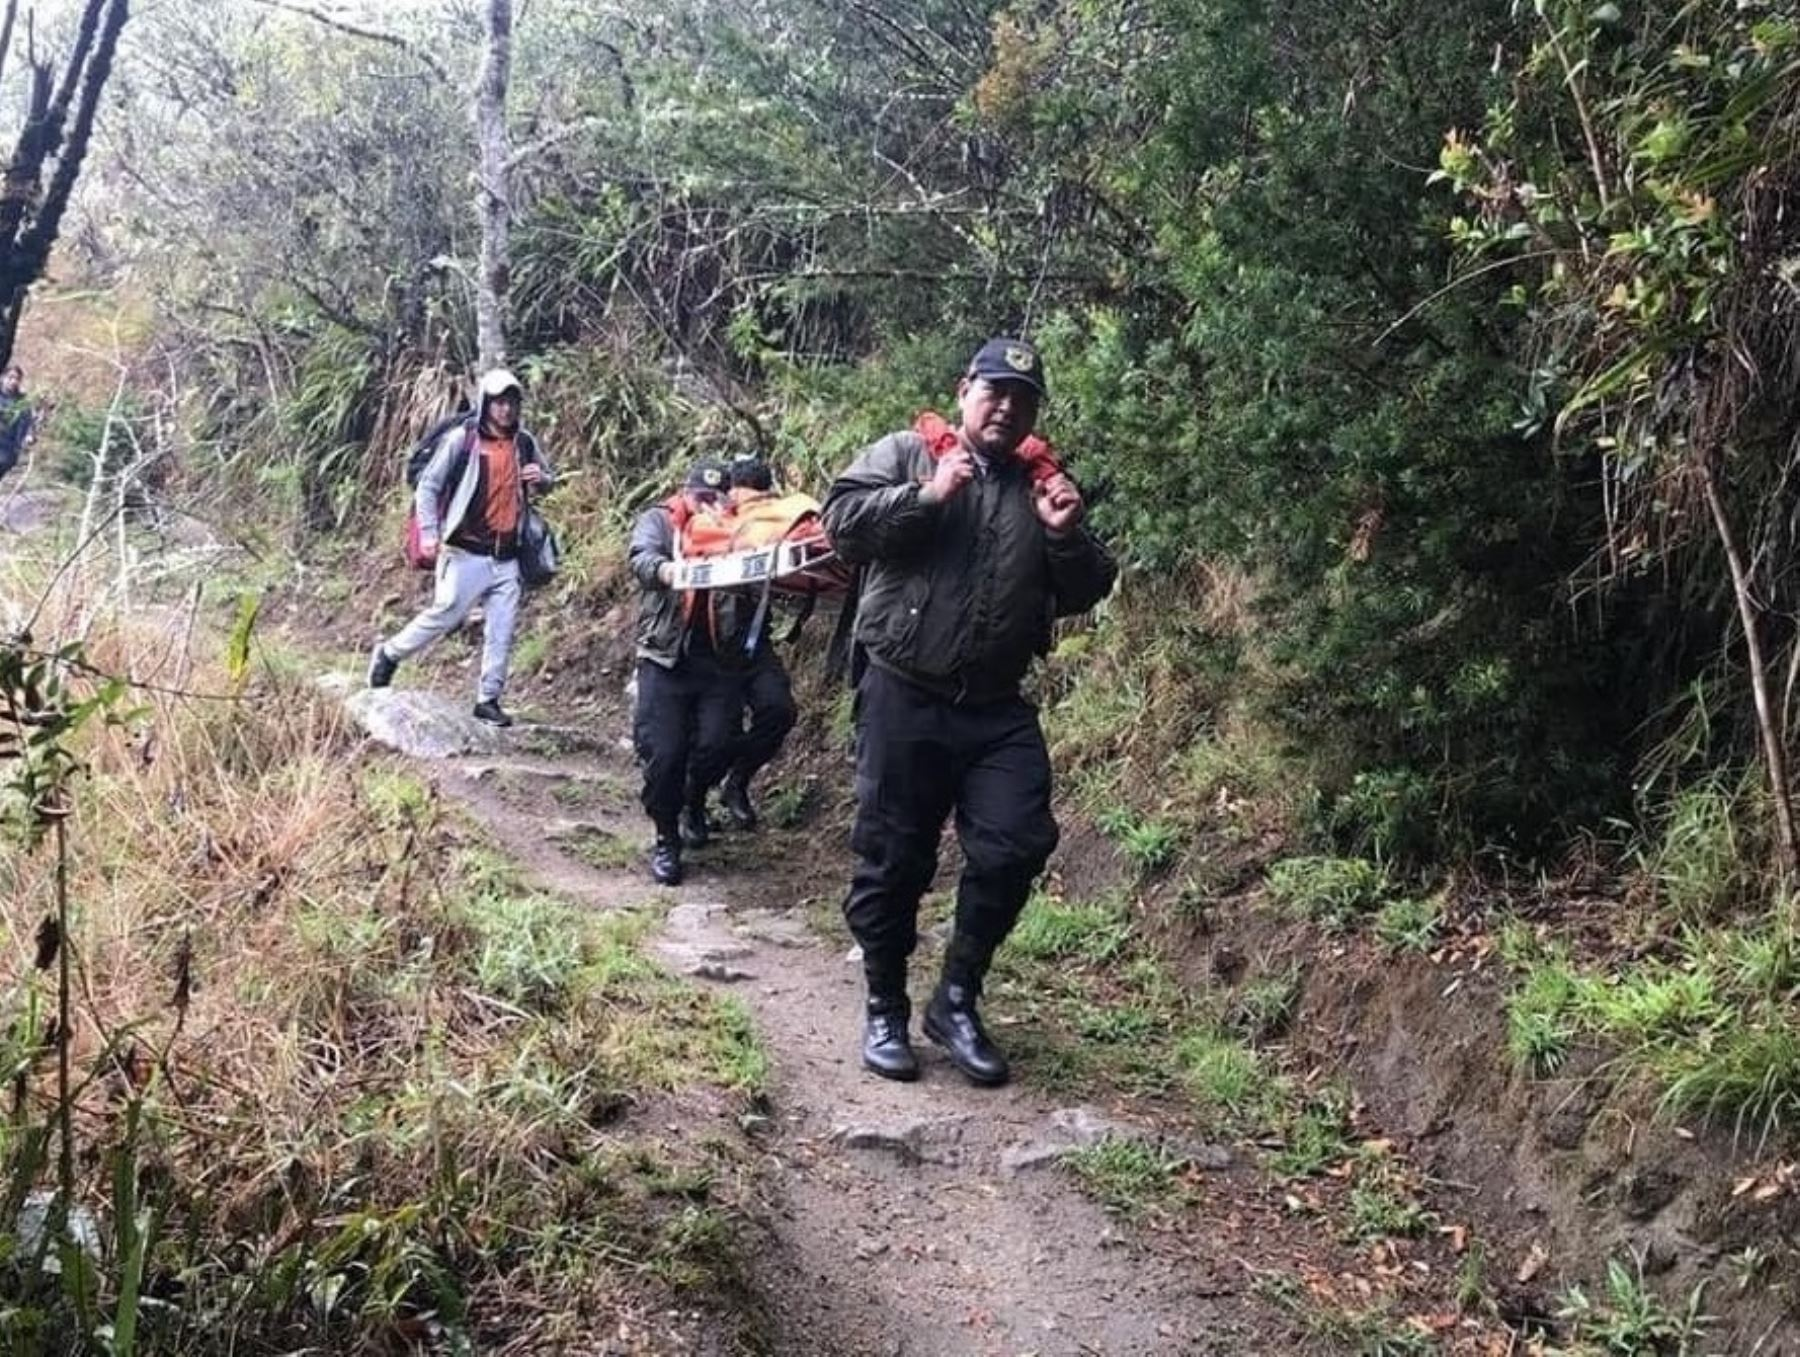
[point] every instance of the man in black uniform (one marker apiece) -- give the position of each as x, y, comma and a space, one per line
768, 692
689, 705
971, 549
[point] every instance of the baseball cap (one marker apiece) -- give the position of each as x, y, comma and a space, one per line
708, 476
1009, 360
497, 382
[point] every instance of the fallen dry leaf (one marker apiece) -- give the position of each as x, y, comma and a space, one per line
1533, 1264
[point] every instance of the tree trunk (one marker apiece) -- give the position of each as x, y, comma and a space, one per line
493, 199
31, 211
1770, 721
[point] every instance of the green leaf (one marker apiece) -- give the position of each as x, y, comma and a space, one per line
237, 645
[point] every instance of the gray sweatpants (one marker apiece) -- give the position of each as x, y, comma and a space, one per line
463, 580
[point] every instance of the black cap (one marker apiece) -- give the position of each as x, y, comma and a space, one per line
1009, 360
750, 472
708, 475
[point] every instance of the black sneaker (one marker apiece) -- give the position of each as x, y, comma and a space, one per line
489, 714
735, 797
696, 826
665, 862
381, 666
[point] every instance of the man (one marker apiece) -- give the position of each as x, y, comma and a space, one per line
470, 502
689, 703
972, 544
768, 692
16, 419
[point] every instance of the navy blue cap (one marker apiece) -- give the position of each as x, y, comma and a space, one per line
1009, 360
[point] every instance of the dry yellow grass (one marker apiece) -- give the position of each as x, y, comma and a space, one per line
382, 1086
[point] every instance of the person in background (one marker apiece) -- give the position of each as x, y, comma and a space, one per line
17, 420
470, 502
972, 542
767, 690
689, 704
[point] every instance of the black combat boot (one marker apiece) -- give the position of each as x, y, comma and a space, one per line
952, 1022
665, 860
734, 795
696, 825
887, 1044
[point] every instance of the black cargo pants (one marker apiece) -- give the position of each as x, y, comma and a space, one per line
920, 756
683, 727
769, 694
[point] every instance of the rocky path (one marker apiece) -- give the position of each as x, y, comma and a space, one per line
929, 1219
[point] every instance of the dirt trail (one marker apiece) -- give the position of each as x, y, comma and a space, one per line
923, 1220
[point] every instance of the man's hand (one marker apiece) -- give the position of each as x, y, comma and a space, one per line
955, 469
1058, 504
428, 550
531, 473
665, 574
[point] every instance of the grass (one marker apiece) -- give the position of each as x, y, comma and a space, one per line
1380, 1211
1541, 1017
1128, 1178
375, 1086
790, 803
606, 851
530, 651
1699, 859
1227, 1079
1316, 1136
1409, 925
1335, 892
1149, 846
1357, 1331
1263, 1007
528, 948
1090, 932
1711, 1029
1747, 1074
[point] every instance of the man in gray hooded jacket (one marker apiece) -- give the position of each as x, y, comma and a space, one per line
470, 502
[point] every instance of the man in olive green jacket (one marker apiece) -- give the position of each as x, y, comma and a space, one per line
971, 549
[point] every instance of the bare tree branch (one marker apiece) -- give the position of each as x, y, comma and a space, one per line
342, 25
